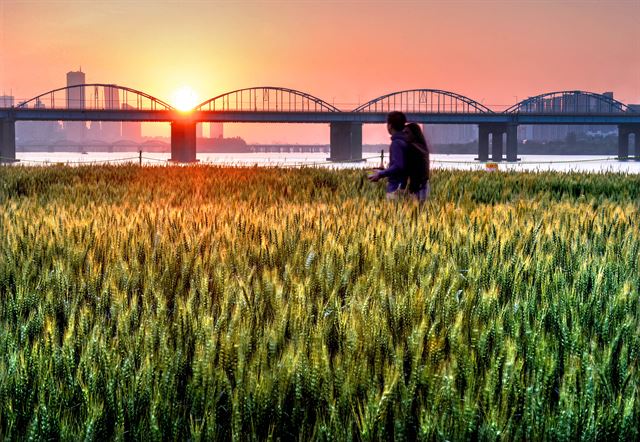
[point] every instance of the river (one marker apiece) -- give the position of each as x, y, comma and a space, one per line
600, 163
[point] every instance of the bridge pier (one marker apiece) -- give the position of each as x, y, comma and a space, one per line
512, 142
7, 141
346, 141
483, 143
624, 132
183, 141
497, 145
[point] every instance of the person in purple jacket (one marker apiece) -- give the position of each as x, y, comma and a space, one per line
396, 173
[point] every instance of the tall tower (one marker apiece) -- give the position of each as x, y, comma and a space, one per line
75, 96
75, 130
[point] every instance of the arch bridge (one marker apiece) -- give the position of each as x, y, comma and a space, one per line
266, 99
268, 104
563, 102
424, 101
559, 107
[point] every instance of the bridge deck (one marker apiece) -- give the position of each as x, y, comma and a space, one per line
314, 117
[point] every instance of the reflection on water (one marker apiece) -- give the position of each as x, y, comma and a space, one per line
466, 162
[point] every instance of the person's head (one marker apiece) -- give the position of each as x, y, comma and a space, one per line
414, 134
395, 122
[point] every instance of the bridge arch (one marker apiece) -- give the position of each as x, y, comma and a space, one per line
423, 101
266, 99
95, 96
568, 101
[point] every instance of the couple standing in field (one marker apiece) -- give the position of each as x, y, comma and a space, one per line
408, 170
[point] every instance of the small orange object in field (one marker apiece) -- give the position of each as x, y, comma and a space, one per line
491, 167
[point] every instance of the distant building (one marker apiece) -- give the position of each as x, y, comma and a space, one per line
216, 130
37, 133
6, 100
75, 130
600, 130
553, 132
131, 130
450, 133
76, 96
111, 130
569, 104
93, 132
525, 132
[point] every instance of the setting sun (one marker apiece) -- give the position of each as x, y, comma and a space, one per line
184, 98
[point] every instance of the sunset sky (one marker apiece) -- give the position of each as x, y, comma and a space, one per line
345, 52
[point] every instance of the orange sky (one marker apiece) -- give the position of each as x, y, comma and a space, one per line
345, 52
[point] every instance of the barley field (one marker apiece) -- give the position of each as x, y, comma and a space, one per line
205, 303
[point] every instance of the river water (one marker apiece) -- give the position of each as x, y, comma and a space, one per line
576, 163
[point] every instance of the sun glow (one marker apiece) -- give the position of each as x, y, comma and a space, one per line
184, 98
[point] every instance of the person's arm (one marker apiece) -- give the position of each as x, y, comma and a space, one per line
397, 165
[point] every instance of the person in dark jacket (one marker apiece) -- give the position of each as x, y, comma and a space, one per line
396, 173
417, 162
